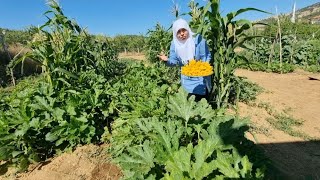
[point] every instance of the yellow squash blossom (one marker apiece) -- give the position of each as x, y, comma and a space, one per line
197, 68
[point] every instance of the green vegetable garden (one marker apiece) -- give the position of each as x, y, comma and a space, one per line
85, 94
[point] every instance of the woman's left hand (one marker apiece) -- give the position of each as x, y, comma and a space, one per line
162, 57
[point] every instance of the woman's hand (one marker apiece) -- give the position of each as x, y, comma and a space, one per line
162, 57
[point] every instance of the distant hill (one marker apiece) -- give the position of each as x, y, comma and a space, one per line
309, 14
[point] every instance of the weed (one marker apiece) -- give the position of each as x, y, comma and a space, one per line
259, 130
286, 124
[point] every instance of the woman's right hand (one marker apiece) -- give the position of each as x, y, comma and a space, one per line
162, 57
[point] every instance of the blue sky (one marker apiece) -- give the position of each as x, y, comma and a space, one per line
113, 17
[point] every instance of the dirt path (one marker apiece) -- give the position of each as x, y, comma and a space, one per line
298, 97
89, 162
137, 56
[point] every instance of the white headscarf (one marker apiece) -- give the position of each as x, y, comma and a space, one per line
185, 49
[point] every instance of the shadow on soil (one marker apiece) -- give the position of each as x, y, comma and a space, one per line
293, 160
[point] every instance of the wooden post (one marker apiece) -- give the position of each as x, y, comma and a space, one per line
271, 52
280, 41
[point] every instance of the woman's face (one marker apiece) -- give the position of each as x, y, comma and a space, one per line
182, 34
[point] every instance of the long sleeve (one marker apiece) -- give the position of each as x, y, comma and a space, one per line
202, 51
207, 56
173, 58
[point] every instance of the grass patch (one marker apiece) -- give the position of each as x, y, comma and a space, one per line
281, 121
286, 123
259, 129
266, 106
274, 67
311, 68
22, 84
248, 90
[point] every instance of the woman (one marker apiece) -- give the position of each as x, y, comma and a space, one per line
185, 47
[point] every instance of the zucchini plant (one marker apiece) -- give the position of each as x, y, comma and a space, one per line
192, 141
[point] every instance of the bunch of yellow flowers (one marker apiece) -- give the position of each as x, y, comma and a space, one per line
197, 68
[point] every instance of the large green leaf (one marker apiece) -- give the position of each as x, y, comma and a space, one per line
139, 160
224, 163
180, 163
202, 166
232, 15
188, 109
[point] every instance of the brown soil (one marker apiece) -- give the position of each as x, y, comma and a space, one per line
296, 95
89, 162
132, 55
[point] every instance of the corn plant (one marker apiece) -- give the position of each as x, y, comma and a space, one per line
71, 107
64, 49
224, 35
158, 41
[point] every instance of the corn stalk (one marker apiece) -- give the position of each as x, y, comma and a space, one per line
65, 50
158, 41
223, 35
